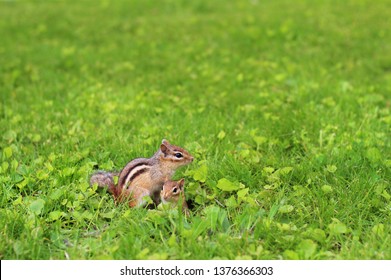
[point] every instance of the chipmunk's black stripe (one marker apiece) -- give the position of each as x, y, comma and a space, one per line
141, 171
123, 177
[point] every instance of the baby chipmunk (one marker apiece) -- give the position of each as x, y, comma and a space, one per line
144, 176
173, 192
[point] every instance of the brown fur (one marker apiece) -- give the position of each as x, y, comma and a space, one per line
173, 192
103, 179
144, 176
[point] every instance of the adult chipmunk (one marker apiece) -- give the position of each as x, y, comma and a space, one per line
143, 177
173, 192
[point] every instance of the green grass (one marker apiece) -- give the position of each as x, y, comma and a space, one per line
285, 105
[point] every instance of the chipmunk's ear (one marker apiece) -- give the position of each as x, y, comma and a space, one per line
181, 182
164, 148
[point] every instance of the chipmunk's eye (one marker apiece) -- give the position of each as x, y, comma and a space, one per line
178, 155
175, 190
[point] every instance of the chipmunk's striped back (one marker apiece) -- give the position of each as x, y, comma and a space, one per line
132, 170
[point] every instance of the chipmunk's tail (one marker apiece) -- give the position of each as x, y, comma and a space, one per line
104, 179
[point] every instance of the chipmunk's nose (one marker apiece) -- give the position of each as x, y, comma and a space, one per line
191, 159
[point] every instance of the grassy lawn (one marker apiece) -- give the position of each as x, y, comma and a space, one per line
286, 106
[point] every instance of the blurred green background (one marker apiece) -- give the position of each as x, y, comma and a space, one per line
285, 105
